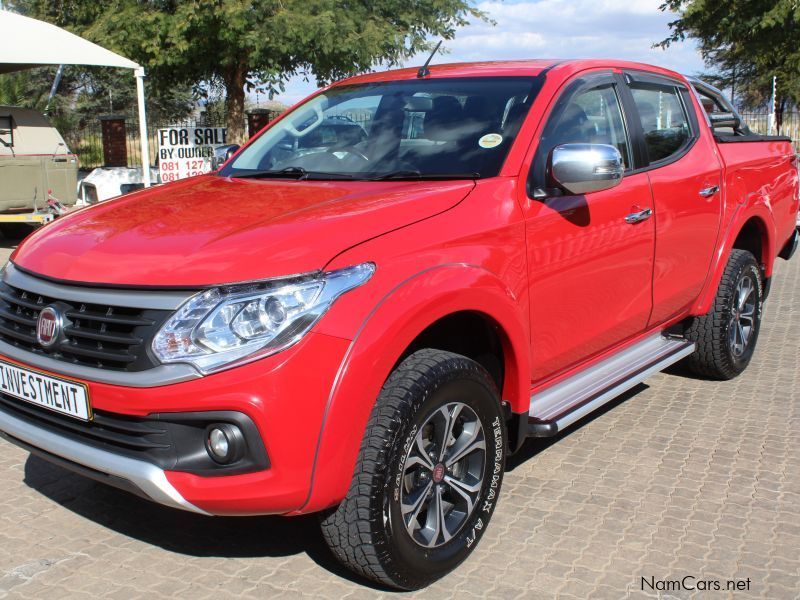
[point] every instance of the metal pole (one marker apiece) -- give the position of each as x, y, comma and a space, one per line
143, 139
54, 87
772, 111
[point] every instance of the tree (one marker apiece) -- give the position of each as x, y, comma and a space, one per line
240, 44
746, 42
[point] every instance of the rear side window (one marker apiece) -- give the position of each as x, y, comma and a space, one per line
664, 120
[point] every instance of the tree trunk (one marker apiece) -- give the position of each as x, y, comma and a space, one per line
234, 80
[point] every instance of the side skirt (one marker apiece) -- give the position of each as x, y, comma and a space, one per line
560, 405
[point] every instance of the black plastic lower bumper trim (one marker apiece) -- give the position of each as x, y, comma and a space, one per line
170, 441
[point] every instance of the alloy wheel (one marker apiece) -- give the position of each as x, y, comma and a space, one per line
743, 315
442, 475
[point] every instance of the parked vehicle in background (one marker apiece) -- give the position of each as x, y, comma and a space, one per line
365, 325
105, 183
37, 171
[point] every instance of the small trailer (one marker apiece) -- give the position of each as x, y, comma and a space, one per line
38, 173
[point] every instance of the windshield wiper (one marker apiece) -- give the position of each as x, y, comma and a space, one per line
408, 174
300, 173
296, 172
293, 173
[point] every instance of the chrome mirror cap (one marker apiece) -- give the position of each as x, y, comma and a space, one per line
586, 168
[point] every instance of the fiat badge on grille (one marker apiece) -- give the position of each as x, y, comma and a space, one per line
48, 326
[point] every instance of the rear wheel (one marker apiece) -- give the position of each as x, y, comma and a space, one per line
428, 474
726, 337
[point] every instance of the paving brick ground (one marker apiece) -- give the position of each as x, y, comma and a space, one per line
680, 477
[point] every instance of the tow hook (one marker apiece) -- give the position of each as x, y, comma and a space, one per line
55, 205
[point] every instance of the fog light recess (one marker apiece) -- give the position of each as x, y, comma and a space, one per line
224, 443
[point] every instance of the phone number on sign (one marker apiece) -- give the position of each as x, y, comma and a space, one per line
174, 170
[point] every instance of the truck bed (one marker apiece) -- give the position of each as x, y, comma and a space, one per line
756, 164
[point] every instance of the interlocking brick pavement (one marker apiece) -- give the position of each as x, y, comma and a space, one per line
680, 477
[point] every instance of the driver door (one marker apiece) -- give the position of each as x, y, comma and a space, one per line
590, 270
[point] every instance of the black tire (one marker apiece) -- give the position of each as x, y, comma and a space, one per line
15, 231
717, 354
367, 531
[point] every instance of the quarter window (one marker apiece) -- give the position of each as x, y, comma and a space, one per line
664, 120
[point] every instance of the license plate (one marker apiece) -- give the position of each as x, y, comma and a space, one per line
59, 395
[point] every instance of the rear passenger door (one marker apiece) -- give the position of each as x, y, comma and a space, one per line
686, 181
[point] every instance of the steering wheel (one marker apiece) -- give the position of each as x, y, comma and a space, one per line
348, 150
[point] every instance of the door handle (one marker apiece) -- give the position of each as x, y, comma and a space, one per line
640, 216
709, 191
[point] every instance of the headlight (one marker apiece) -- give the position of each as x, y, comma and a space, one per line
244, 322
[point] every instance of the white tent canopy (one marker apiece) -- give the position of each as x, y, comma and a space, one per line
28, 43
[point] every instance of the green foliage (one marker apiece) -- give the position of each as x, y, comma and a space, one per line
746, 42
241, 44
85, 92
26, 88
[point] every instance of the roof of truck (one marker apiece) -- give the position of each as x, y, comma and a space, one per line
508, 68
31, 132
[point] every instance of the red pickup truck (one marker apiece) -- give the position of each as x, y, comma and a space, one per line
389, 289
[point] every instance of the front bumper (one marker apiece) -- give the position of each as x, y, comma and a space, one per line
284, 396
145, 477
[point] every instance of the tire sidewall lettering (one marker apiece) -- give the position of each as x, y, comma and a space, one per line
396, 484
489, 497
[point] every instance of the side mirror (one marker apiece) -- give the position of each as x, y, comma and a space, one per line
222, 154
724, 119
586, 168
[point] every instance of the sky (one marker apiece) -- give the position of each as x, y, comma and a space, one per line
623, 29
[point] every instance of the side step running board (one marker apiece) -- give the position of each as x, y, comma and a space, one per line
559, 406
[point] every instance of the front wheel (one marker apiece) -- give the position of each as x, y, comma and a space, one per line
726, 337
428, 474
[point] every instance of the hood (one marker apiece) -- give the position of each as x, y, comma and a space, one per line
211, 230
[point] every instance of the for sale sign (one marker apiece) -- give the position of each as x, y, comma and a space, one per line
187, 151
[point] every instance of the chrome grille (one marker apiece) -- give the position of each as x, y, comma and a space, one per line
95, 335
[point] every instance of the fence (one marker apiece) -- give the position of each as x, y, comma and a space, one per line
790, 125
87, 142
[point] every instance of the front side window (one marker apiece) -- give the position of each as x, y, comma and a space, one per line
590, 114
664, 120
590, 117
448, 128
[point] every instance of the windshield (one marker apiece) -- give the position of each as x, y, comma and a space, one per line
441, 128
